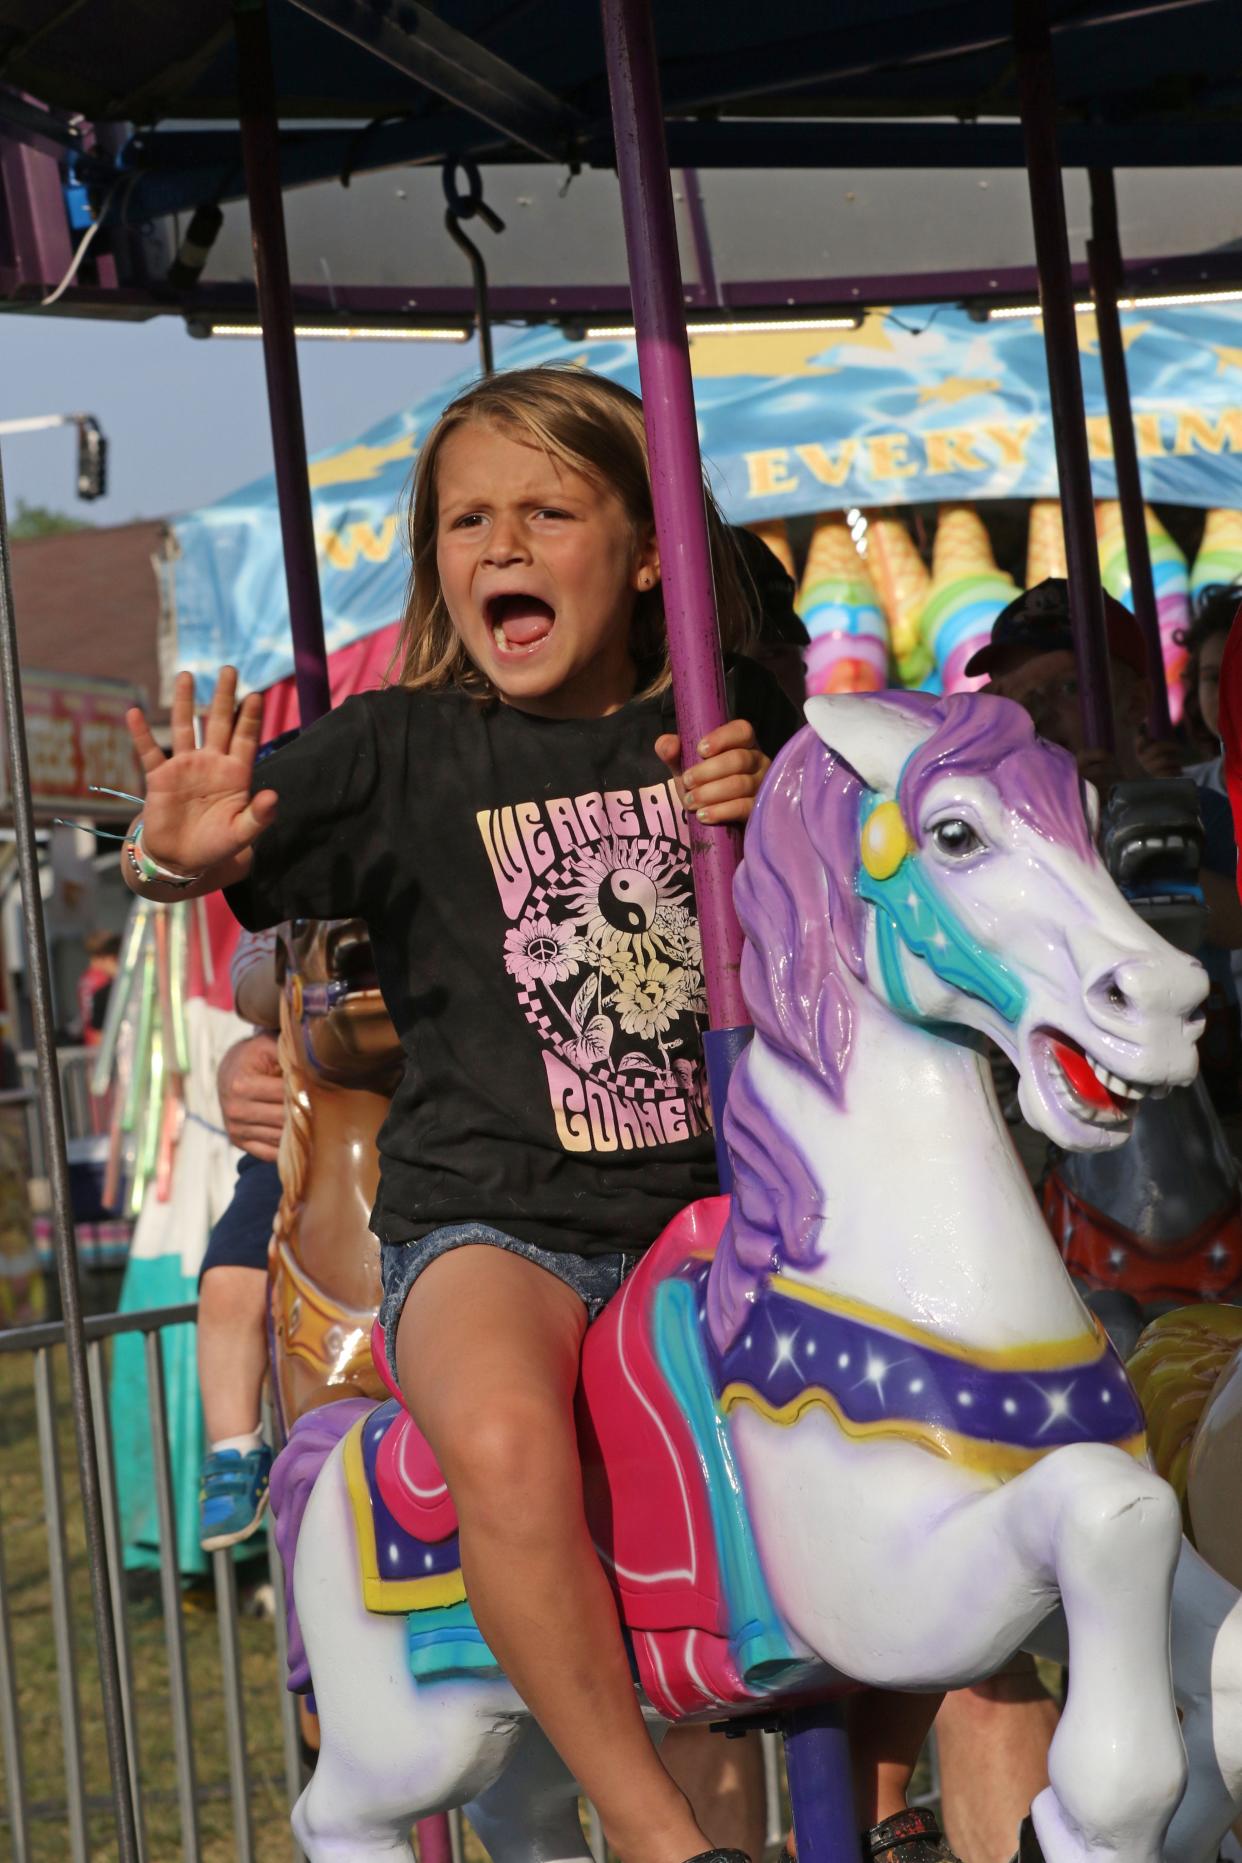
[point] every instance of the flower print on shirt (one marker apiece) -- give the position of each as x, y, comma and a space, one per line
538, 950
603, 948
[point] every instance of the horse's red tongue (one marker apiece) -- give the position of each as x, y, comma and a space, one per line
1082, 1077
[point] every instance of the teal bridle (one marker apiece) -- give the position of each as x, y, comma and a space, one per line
911, 914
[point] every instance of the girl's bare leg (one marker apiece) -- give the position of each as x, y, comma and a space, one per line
723, 1779
487, 1353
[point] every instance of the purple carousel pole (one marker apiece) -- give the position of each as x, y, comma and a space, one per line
817, 1742
1037, 95
1104, 264
261, 151
676, 482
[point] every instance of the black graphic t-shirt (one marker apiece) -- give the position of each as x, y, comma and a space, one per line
526, 882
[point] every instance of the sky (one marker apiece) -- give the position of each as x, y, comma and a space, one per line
185, 419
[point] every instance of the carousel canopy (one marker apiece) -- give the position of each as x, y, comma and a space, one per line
760, 105
919, 405
514, 75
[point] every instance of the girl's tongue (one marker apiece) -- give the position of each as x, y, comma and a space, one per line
521, 620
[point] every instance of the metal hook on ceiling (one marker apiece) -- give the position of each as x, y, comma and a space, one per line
464, 205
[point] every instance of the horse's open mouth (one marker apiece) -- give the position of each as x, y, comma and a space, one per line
1085, 1087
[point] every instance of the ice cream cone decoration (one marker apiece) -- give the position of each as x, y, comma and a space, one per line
772, 531
1045, 542
1220, 554
1172, 582
901, 577
841, 612
967, 593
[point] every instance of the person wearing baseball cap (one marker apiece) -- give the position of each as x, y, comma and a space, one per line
1030, 659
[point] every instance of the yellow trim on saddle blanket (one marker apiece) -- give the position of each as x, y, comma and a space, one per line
1001, 1460
1050, 1355
379, 1593
986, 1455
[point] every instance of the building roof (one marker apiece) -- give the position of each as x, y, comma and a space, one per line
87, 602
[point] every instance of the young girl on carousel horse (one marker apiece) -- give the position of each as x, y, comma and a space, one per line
507, 817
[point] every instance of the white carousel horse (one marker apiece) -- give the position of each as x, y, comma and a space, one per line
872, 1436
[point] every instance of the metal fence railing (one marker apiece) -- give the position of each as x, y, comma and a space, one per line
78, 1809
85, 1117
206, 1728
213, 1736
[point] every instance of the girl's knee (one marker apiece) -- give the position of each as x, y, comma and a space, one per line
512, 1464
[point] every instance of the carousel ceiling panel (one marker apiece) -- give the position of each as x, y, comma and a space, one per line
1133, 60
852, 153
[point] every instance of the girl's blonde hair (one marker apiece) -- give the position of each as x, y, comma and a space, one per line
593, 427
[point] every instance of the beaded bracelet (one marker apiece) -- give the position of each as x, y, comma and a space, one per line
149, 871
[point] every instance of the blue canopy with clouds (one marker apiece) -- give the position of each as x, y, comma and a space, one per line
919, 405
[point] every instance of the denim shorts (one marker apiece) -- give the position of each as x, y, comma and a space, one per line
594, 1278
240, 1238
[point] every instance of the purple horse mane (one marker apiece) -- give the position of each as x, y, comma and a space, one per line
805, 949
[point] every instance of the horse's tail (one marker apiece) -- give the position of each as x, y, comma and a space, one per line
294, 1474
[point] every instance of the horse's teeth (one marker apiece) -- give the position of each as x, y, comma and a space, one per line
1115, 1084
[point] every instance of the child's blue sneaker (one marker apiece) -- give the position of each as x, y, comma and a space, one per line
232, 1495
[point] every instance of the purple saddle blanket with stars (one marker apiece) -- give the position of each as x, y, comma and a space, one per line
995, 1410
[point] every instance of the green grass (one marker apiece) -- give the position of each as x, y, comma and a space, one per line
25, 1544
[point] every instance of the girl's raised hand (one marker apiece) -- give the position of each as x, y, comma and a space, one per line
199, 813
723, 784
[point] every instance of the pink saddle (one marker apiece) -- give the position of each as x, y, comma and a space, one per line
647, 1497
646, 1500
406, 1471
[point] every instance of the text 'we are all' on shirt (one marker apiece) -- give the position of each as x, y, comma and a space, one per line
526, 884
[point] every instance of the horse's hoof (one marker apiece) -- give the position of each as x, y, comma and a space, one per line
910, 1837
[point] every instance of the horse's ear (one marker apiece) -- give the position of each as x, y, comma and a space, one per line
874, 738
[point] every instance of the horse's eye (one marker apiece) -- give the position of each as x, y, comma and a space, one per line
956, 838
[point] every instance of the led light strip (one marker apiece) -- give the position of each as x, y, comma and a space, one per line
773, 326
1164, 301
347, 333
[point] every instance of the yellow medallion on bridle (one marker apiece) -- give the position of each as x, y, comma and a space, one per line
885, 841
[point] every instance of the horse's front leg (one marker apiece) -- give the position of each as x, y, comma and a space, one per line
1207, 1684
911, 1573
1107, 1534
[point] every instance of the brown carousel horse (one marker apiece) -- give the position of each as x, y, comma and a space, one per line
341, 1061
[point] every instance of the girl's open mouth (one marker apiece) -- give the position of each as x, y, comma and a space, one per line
520, 623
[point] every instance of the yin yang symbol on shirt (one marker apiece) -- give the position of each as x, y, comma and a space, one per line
602, 944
